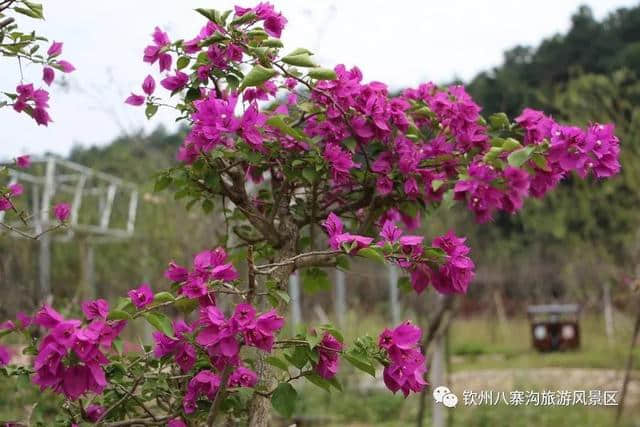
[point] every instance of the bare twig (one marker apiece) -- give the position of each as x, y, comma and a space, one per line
215, 406
627, 373
119, 402
251, 274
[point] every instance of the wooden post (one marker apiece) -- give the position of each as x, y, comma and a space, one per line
629, 367
44, 267
608, 311
340, 297
44, 259
437, 378
294, 293
394, 305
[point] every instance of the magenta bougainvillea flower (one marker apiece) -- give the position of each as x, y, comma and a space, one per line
55, 49
142, 296
35, 99
328, 350
97, 309
62, 211
23, 162
407, 366
15, 189
134, 100
95, 412
82, 372
48, 75
148, 85
153, 53
5, 355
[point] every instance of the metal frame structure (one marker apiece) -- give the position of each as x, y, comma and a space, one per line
78, 182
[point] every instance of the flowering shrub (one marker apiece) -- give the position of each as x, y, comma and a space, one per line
25, 47
287, 148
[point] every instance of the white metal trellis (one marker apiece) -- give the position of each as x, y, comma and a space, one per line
52, 179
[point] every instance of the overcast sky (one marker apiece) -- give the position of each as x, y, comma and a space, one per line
398, 42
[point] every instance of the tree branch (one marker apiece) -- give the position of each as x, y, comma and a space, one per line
215, 406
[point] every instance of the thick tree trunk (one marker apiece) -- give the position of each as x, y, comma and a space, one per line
260, 406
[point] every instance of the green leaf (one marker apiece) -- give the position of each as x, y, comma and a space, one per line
160, 322
123, 304
301, 60
278, 363
192, 94
351, 144
540, 161
299, 51
511, 144
310, 175
272, 43
342, 262
317, 380
434, 254
279, 123
360, 361
335, 383
298, 357
162, 297
29, 12
372, 253
182, 62
247, 17
333, 331
186, 305
436, 184
151, 110
499, 121
257, 76
279, 294
322, 74
118, 315
210, 14
519, 157
162, 182
284, 399
118, 345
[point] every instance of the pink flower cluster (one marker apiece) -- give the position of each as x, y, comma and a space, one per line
457, 113
210, 265
449, 275
406, 368
5, 355
274, 22
141, 296
177, 346
155, 52
328, 356
222, 339
207, 383
338, 239
36, 101
70, 357
594, 150
215, 124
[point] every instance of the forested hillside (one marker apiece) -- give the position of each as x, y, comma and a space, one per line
582, 237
